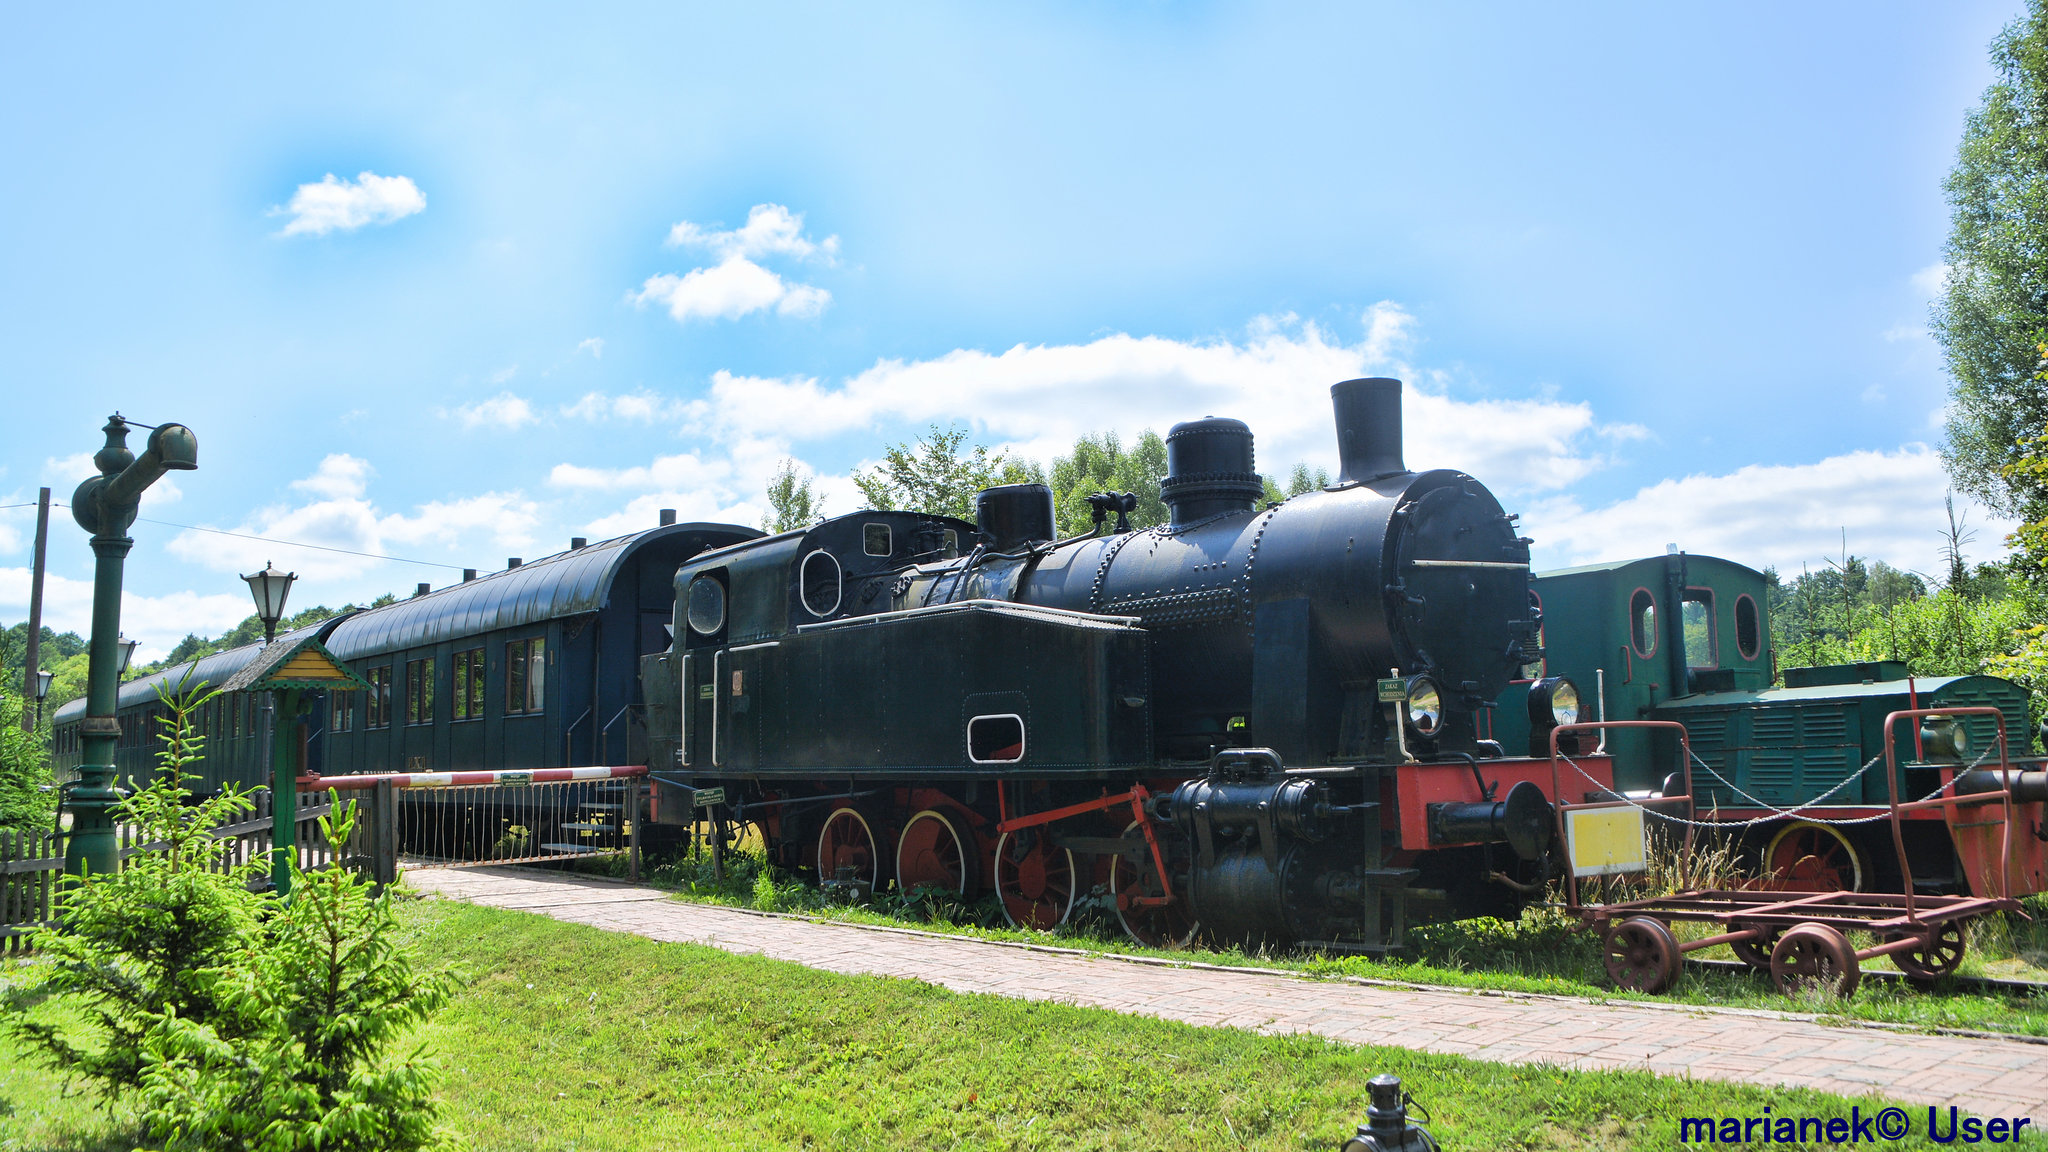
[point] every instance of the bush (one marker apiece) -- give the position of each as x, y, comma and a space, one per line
247, 1023
146, 942
312, 1006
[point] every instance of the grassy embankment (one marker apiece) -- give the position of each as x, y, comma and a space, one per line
1542, 953
564, 1037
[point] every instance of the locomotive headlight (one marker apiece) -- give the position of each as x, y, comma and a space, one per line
1944, 738
1553, 701
1425, 706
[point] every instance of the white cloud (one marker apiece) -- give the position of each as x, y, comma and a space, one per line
345, 205
640, 407
339, 476
340, 517
1930, 281
770, 230
159, 622
677, 473
1038, 400
594, 346
1890, 503
728, 290
505, 411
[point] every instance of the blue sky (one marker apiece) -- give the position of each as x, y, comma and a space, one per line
1654, 274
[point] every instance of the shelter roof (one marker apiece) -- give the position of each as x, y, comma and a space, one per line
304, 664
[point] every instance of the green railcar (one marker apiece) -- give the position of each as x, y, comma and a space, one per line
1791, 760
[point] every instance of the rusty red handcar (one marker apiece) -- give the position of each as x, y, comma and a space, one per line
1802, 938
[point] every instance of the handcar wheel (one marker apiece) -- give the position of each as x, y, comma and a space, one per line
933, 851
1643, 955
846, 850
1940, 955
1156, 926
1815, 955
1809, 857
1035, 880
1756, 953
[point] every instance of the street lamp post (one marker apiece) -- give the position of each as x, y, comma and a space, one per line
105, 506
43, 678
269, 589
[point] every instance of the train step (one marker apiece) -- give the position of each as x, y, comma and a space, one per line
588, 827
568, 849
600, 806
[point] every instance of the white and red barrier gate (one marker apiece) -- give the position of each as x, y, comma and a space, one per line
501, 816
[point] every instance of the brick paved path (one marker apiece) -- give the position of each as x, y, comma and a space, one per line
1987, 1076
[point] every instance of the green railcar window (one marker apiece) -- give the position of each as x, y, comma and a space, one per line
1642, 622
1749, 629
1697, 613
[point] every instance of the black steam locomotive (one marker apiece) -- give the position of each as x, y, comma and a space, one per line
1274, 721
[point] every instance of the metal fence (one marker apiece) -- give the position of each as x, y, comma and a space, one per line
459, 819
32, 863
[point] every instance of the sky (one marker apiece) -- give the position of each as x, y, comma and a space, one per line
437, 286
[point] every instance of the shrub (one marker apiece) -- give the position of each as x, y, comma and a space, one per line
329, 987
147, 941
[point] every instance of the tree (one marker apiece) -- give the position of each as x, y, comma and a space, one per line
1101, 463
791, 503
1994, 311
934, 475
25, 801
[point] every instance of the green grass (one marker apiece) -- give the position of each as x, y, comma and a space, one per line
1541, 953
565, 1037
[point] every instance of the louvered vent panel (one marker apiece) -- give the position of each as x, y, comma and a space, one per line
1773, 775
1823, 725
1774, 727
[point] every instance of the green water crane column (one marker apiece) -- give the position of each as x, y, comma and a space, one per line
283, 725
105, 506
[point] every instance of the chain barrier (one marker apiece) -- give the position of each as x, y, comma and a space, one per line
1776, 813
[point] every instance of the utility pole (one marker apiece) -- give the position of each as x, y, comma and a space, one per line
33, 661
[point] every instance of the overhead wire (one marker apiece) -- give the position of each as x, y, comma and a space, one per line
275, 540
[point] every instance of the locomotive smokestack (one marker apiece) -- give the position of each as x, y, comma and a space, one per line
1209, 469
1368, 428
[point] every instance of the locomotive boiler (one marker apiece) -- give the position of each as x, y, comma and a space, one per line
1270, 720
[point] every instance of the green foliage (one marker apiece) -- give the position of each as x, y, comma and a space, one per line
792, 505
241, 1021
1995, 308
312, 1005
26, 799
53, 649
249, 631
940, 473
1101, 463
147, 942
